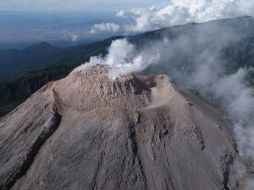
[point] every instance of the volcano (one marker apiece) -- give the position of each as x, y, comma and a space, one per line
88, 131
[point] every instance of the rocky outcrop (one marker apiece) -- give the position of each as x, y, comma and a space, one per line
90, 132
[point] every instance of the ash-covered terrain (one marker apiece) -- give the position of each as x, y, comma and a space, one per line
88, 131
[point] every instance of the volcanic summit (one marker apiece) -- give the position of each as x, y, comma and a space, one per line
88, 131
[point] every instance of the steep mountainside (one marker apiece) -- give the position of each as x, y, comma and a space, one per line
87, 131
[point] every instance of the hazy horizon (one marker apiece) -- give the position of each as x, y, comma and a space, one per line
26, 21
48, 26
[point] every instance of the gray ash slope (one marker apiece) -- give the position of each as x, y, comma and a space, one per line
87, 131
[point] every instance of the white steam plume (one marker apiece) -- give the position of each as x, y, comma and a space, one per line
237, 98
123, 58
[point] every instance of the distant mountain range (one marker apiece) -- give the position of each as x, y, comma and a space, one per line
23, 71
15, 62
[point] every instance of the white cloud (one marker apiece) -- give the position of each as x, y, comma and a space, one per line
120, 13
184, 11
70, 36
104, 27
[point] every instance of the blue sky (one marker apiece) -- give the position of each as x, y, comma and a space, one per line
75, 5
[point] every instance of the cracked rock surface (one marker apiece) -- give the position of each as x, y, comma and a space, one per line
87, 131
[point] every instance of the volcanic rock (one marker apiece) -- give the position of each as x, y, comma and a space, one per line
87, 131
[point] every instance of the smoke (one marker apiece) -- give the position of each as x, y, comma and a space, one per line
237, 98
124, 58
235, 95
239, 101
